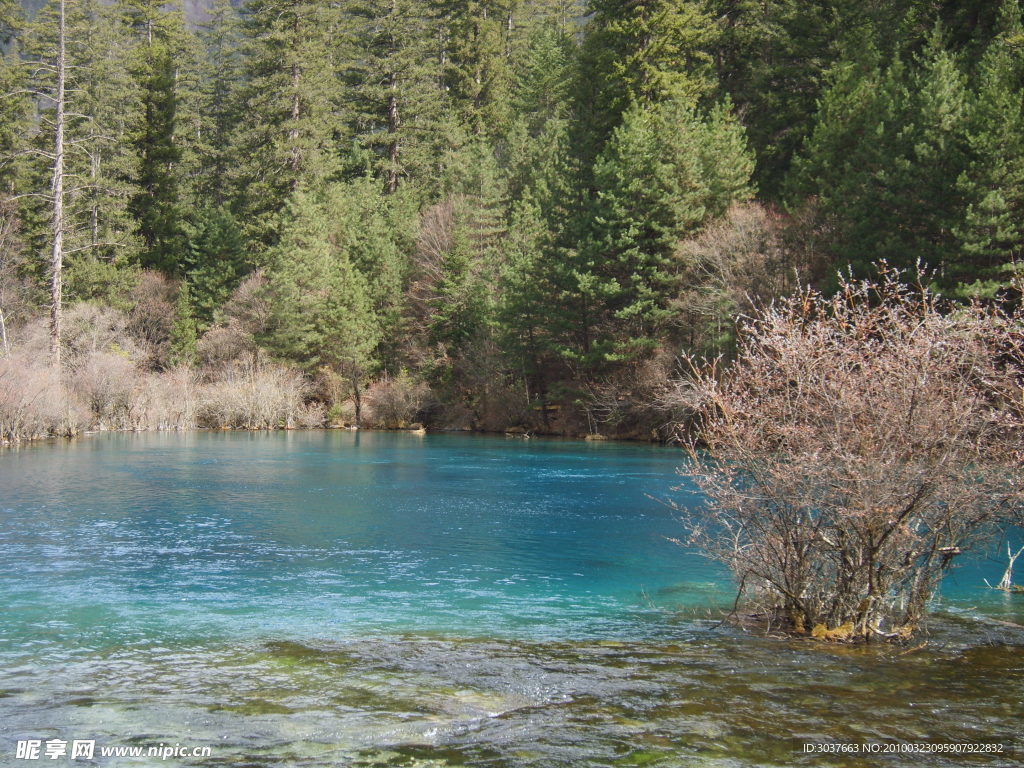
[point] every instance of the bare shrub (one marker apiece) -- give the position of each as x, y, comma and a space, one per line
855, 446
91, 328
249, 305
225, 345
310, 416
736, 264
169, 399
151, 319
106, 383
640, 401
33, 404
231, 341
255, 396
435, 238
396, 402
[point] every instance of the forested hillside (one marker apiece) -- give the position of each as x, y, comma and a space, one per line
474, 213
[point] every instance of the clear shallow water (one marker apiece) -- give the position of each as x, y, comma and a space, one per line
385, 599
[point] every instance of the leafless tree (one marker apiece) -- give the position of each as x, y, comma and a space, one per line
57, 190
855, 447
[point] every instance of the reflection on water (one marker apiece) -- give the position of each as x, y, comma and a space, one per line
367, 600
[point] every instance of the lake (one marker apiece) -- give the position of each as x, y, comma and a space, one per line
373, 599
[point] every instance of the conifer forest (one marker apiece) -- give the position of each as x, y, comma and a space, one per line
472, 214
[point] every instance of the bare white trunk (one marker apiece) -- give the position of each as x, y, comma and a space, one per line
57, 221
1006, 583
3, 333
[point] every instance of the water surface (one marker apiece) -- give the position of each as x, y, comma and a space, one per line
331, 598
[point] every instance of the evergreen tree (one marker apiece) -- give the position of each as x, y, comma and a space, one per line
165, 70
184, 330
991, 235
321, 308
220, 72
371, 228
15, 106
109, 102
884, 161
639, 52
477, 73
216, 262
290, 135
523, 308
100, 107
665, 172
157, 204
396, 89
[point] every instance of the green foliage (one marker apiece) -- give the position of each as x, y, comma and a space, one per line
156, 204
321, 308
395, 91
640, 52
100, 280
991, 232
216, 262
477, 73
290, 104
217, 111
885, 158
184, 331
665, 172
523, 311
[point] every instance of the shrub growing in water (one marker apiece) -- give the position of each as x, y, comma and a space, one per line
856, 445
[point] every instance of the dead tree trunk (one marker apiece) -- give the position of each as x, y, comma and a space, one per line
1006, 583
57, 220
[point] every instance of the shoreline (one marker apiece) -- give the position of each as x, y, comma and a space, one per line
511, 435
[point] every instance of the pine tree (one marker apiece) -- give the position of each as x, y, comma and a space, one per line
220, 71
370, 227
184, 332
321, 309
523, 306
991, 235
884, 160
15, 106
109, 101
216, 262
164, 68
639, 52
290, 135
477, 73
100, 107
157, 205
395, 87
665, 172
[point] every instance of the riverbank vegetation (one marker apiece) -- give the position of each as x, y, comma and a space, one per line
474, 215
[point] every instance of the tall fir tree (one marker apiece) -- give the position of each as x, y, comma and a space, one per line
165, 71
220, 70
884, 160
477, 73
991, 234
639, 52
291, 132
15, 105
666, 171
321, 309
395, 85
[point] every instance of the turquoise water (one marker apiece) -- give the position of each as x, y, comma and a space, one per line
336, 598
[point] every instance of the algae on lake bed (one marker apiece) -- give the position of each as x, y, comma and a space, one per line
715, 698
